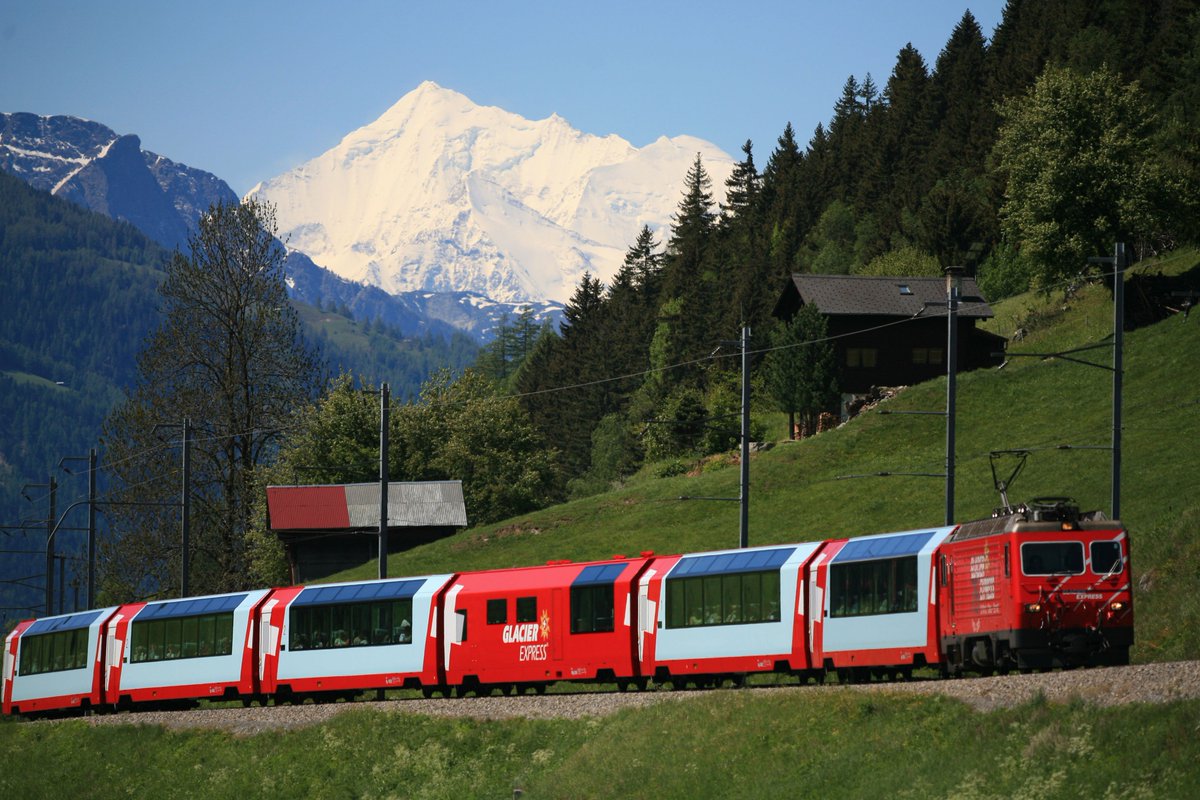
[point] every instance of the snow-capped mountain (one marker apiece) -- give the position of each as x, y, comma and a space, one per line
91, 165
442, 195
94, 167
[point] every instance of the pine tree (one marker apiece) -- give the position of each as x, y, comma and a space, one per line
689, 273
966, 122
904, 140
743, 256
786, 213
800, 370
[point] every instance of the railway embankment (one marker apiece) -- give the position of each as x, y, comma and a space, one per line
1108, 686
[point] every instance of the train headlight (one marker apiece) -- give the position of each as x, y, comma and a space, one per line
1033, 608
1117, 606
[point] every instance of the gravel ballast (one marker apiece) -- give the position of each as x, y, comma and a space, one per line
1110, 686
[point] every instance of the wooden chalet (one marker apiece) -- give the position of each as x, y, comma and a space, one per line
326, 529
892, 331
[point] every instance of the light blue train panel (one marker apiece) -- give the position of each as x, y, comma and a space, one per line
880, 593
66, 663
396, 645
732, 603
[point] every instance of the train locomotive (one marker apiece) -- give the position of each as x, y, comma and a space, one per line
1035, 587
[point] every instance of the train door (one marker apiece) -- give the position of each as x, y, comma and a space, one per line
647, 616
555, 620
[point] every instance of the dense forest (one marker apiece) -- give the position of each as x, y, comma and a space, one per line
1073, 127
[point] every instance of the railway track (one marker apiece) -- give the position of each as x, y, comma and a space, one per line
1107, 686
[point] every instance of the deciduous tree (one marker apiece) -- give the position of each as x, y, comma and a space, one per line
230, 357
1081, 174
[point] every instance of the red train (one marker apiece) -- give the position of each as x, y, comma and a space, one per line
1040, 587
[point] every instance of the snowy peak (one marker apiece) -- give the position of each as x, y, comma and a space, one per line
89, 164
441, 194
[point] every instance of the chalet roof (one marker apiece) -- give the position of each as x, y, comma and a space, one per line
356, 506
837, 295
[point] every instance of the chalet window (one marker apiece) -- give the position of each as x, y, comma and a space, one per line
905, 289
927, 355
861, 356
526, 609
497, 611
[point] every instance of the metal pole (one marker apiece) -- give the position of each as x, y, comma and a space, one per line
744, 495
51, 527
953, 276
1118, 372
91, 542
62, 582
383, 479
186, 507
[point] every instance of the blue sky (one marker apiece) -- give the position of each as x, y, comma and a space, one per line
247, 90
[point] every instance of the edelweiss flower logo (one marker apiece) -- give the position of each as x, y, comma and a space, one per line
545, 625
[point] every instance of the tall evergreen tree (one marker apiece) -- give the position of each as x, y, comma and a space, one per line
903, 145
745, 267
786, 214
966, 123
800, 370
689, 273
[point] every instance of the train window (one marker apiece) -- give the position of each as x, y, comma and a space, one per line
382, 622
887, 586
592, 609
1052, 558
182, 637
1106, 558
54, 652
526, 609
751, 597
497, 611
723, 599
770, 594
676, 605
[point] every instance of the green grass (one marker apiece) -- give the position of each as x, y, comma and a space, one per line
797, 494
722, 744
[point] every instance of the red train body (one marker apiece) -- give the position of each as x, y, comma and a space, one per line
1036, 588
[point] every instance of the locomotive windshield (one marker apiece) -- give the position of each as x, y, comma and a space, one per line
1106, 557
1052, 558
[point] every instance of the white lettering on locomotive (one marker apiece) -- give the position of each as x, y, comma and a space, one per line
526, 632
534, 652
985, 585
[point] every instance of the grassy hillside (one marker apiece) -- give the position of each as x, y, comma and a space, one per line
798, 494
724, 744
